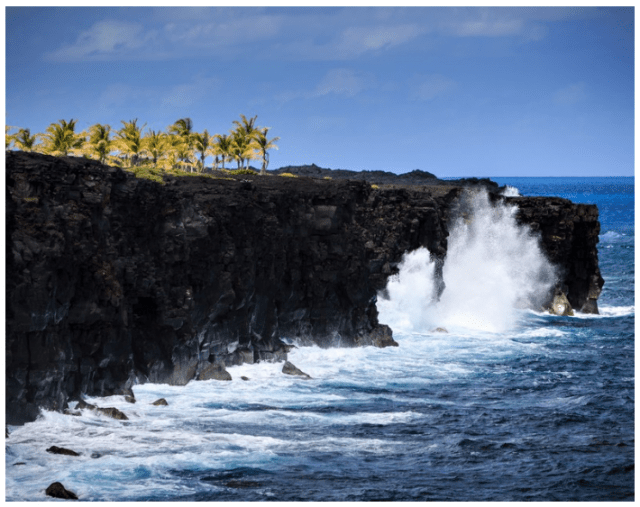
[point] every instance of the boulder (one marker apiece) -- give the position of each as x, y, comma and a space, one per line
215, 372
57, 490
113, 412
290, 369
83, 404
109, 411
61, 450
130, 399
382, 336
160, 403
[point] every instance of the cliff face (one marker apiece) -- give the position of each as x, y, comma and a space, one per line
113, 279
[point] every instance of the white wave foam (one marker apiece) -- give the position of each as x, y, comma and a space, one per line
493, 267
608, 311
510, 191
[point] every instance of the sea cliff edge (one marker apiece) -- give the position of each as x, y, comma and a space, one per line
113, 280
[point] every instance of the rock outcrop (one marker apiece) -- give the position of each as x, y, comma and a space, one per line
57, 490
113, 280
569, 234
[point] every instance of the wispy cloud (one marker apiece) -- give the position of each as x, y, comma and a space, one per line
340, 81
104, 40
433, 86
295, 33
189, 94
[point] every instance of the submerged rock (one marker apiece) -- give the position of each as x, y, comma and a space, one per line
130, 399
57, 490
439, 330
160, 403
61, 450
290, 369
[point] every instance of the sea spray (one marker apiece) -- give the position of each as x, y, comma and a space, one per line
493, 268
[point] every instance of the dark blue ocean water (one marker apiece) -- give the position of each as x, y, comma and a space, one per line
508, 405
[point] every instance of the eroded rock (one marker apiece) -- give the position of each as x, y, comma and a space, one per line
214, 372
290, 369
61, 450
57, 490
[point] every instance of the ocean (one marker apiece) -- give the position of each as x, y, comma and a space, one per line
483, 400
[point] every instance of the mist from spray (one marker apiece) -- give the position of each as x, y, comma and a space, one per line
493, 269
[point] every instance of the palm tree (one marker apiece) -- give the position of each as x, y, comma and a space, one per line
24, 141
183, 128
242, 148
203, 144
178, 151
264, 145
8, 138
155, 144
60, 138
246, 127
222, 148
130, 140
100, 141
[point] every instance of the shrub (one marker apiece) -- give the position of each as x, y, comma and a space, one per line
288, 175
147, 173
237, 172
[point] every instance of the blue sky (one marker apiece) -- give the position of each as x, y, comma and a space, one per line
454, 91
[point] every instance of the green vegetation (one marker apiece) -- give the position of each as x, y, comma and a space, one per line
150, 154
288, 175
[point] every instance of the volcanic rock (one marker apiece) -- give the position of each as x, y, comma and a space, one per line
560, 305
61, 450
113, 413
214, 371
290, 369
57, 490
113, 280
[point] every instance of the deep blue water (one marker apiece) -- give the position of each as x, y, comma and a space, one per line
511, 405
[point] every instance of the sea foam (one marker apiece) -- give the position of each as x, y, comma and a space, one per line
494, 268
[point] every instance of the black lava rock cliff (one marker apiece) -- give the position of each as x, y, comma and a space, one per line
112, 280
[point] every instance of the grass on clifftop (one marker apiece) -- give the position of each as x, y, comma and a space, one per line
153, 173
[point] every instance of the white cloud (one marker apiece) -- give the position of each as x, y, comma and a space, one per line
341, 82
571, 94
357, 40
102, 41
432, 86
190, 94
495, 22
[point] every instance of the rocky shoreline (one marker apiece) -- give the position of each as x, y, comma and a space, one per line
113, 280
